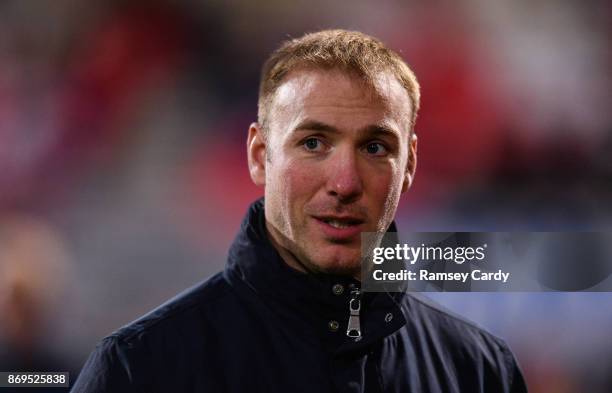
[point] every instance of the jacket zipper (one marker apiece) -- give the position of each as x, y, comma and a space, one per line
354, 329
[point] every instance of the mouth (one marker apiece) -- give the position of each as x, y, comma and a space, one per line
340, 227
340, 223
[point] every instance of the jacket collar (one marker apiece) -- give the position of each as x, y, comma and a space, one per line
305, 298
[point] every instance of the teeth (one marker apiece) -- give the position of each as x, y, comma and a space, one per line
338, 224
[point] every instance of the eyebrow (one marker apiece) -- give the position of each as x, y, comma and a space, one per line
315, 125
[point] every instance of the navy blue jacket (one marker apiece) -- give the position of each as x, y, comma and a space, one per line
260, 326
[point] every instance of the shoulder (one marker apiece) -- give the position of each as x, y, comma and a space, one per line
181, 322
183, 311
460, 338
126, 359
425, 311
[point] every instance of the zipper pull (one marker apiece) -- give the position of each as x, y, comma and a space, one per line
354, 329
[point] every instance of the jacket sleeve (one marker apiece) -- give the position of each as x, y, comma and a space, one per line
109, 368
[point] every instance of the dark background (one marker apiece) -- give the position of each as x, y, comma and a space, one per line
123, 171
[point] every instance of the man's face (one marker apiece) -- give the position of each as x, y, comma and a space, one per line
336, 158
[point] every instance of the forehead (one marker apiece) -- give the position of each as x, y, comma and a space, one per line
329, 92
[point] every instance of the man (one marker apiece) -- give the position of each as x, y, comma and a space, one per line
334, 148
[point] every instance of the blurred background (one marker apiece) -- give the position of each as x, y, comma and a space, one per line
123, 174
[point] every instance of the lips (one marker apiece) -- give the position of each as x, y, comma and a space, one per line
340, 227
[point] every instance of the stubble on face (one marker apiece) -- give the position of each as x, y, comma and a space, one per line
300, 187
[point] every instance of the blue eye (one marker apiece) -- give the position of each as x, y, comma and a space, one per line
376, 149
312, 144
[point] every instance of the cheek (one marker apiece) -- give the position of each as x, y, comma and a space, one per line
299, 184
385, 181
385, 189
294, 183
301, 181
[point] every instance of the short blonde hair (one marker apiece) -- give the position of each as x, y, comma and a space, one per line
350, 51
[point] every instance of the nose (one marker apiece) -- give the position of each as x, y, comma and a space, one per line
344, 176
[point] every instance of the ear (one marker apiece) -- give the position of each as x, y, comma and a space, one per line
256, 152
412, 162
